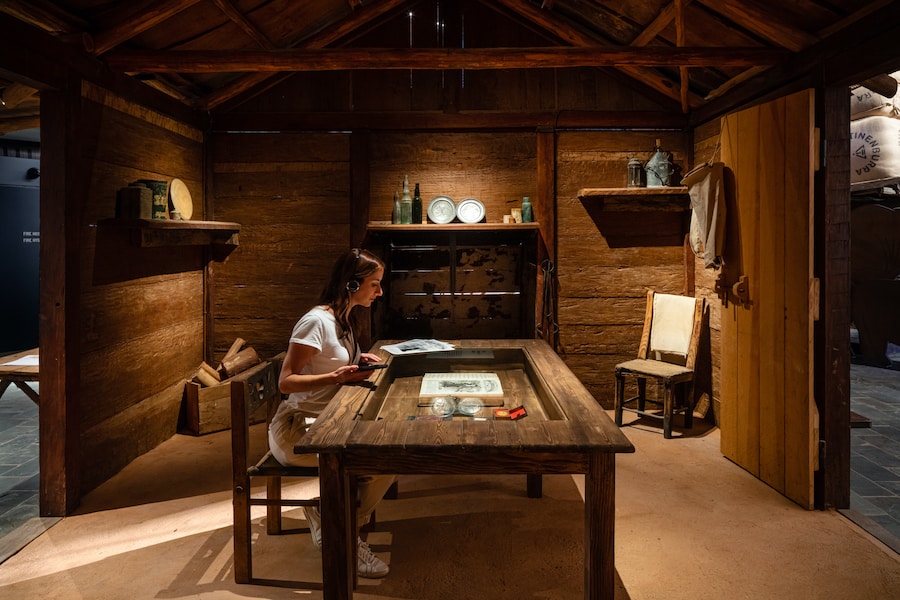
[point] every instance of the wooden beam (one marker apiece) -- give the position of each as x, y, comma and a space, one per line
14, 94
238, 18
662, 20
576, 37
429, 59
137, 19
837, 60
832, 266
761, 22
682, 70
44, 15
13, 124
361, 17
441, 121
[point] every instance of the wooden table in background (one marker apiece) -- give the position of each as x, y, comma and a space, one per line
19, 374
372, 430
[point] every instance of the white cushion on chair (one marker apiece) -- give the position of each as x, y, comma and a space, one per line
673, 324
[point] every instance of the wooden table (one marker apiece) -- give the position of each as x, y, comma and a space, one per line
19, 374
372, 430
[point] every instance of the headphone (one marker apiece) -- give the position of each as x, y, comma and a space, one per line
353, 284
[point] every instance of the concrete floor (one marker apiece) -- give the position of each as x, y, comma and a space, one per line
689, 524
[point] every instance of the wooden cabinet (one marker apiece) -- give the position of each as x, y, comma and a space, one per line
456, 281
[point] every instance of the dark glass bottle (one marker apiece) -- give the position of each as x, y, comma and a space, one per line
417, 207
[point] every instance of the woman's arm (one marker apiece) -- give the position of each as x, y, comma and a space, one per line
292, 380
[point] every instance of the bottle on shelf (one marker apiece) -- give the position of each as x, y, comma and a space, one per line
395, 217
417, 207
527, 216
405, 203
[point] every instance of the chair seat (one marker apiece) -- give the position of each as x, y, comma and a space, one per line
655, 368
269, 467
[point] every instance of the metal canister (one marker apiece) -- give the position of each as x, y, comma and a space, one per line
635, 173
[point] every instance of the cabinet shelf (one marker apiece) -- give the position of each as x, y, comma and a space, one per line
386, 227
147, 233
636, 199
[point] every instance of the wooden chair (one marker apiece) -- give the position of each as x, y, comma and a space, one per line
258, 388
667, 353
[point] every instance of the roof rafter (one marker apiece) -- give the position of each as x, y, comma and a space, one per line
298, 60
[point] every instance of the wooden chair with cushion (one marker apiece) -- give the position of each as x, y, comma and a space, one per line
247, 397
667, 353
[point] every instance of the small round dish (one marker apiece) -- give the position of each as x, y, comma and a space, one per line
443, 406
470, 210
470, 406
441, 209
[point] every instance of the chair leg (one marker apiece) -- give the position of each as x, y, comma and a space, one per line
668, 405
689, 405
243, 555
642, 393
273, 513
620, 397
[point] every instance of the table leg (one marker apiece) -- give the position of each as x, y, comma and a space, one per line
534, 483
599, 527
28, 391
337, 529
3, 385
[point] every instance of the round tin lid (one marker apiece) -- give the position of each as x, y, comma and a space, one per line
441, 209
470, 210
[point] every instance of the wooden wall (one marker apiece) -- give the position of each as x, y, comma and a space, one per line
142, 309
291, 195
708, 373
607, 261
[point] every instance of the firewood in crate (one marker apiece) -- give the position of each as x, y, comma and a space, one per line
234, 349
205, 379
240, 362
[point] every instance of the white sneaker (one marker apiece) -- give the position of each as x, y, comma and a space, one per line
367, 564
314, 518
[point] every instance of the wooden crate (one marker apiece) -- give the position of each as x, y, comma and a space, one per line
208, 409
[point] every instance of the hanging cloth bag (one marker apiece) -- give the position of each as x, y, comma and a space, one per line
706, 188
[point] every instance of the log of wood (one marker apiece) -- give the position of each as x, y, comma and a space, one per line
212, 372
235, 348
241, 361
205, 379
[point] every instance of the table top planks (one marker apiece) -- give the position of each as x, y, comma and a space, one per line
562, 414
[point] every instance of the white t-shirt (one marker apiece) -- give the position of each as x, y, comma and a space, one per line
320, 330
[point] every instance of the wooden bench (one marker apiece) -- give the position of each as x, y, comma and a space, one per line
25, 368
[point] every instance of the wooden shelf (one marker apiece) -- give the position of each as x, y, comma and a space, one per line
148, 233
642, 199
376, 226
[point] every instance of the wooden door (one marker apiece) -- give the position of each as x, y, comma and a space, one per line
768, 413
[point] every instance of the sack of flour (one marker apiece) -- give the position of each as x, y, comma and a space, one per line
866, 103
874, 149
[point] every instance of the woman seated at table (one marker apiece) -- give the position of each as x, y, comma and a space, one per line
322, 355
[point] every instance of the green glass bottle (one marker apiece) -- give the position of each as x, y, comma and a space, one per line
405, 203
417, 207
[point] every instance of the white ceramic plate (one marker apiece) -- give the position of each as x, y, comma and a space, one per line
180, 199
441, 209
470, 210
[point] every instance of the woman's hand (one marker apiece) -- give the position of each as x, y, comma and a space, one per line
350, 374
367, 357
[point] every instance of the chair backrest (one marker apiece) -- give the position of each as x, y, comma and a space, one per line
671, 328
249, 391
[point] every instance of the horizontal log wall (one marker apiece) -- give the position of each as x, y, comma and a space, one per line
291, 195
602, 284
142, 315
708, 375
